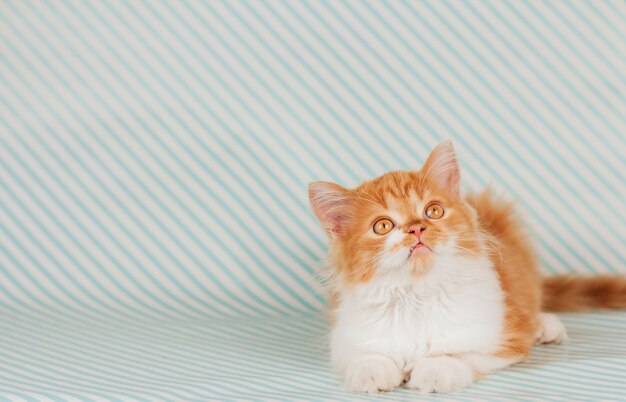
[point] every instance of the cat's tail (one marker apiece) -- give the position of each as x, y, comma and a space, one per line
580, 293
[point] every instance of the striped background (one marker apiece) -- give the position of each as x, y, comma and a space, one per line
154, 160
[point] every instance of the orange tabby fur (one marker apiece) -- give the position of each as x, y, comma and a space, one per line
517, 269
482, 222
571, 293
510, 250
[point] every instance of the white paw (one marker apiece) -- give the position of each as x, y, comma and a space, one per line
551, 329
440, 374
372, 374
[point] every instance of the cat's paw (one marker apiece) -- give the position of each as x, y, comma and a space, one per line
551, 329
372, 374
440, 374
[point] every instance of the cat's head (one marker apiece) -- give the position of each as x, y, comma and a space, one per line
402, 220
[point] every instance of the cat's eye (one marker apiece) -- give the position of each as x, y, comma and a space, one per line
383, 226
434, 211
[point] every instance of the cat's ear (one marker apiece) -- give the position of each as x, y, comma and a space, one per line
442, 168
331, 203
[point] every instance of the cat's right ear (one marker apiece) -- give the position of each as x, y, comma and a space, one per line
331, 203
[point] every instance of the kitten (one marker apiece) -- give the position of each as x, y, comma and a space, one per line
435, 289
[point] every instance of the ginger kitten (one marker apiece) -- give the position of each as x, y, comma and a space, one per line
435, 289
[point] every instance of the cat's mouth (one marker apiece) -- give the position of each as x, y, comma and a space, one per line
419, 248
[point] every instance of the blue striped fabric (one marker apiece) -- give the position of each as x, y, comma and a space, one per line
53, 357
155, 236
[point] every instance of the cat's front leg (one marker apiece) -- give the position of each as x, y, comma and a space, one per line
372, 372
440, 374
452, 373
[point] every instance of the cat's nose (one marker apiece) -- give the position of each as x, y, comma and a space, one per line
417, 230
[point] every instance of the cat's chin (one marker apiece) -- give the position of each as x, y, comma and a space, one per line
419, 250
419, 264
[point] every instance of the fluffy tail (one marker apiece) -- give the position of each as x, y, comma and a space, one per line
580, 293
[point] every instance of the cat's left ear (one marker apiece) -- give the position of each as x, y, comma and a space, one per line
442, 168
331, 203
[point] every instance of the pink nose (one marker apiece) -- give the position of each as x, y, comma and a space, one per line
417, 230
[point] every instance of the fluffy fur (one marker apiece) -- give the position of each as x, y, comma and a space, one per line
436, 303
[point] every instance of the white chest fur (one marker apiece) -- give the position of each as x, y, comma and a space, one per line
457, 307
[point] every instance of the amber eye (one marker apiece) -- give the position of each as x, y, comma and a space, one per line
383, 226
434, 211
